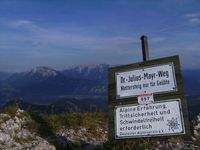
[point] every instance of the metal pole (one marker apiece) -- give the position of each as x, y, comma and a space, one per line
145, 50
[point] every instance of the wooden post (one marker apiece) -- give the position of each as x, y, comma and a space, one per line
145, 50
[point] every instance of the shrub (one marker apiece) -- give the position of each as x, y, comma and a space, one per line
11, 110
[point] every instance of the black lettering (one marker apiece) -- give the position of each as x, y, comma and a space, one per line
122, 80
162, 73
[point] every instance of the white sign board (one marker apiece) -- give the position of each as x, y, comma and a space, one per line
158, 119
154, 79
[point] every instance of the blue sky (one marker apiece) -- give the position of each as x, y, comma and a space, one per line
61, 33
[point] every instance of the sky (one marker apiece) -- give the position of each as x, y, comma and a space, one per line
62, 33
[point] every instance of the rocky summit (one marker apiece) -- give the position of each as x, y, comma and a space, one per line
15, 135
20, 130
29, 131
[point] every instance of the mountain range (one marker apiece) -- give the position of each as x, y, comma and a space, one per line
75, 86
44, 84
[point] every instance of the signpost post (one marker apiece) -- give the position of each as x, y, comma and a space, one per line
145, 49
146, 99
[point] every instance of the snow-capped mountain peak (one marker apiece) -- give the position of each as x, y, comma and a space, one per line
43, 71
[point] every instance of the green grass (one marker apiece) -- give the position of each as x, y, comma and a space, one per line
11, 110
22, 140
47, 125
75, 119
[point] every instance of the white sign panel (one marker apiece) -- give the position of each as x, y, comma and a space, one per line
158, 119
154, 79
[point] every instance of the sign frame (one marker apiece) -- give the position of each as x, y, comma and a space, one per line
179, 93
154, 135
143, 68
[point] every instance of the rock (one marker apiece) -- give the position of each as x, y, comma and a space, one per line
197, 127
83, 138
62, 143
15, 136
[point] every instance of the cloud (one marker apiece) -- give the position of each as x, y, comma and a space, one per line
55, 38
192, 15
51, 38
24, 25
56, 41
193, 18
157, 39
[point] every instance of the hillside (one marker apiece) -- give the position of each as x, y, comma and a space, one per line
193, 105
192, 82
31, 130
90, 104
75, 131
4, 75
17, 131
